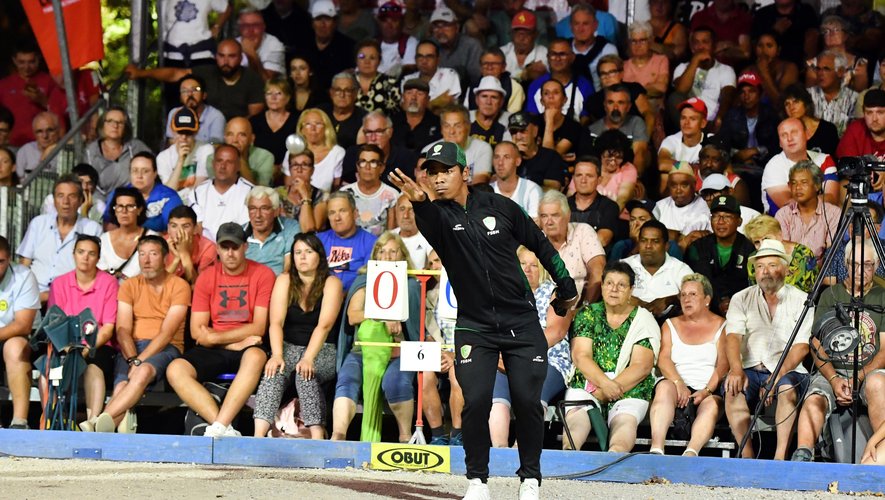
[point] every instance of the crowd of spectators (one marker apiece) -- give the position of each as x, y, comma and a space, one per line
683, 165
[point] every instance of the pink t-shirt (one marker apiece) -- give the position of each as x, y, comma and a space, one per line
581, 245
101, 298
655, 67
627, 173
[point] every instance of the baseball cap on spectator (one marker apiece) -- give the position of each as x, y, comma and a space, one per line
443, 14
647, 205
524, 20
718, 141
323, 8
185, 121
416, 84
445, 154
683, 167
390, 10
232, 232
874, 98
489, 83
519, 121
749, 78
714, 182
694, 103
725, 203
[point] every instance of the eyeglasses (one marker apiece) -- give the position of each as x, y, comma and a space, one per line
639, 40
300, 167
343, 91
125, 208
612, 155
867, 266
375, 132
831, 31
616, 286
369, 163
118, 123
558, 55
264, 210
313, 125
187, 91
720, 217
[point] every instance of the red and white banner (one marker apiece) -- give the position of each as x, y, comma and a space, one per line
83, 27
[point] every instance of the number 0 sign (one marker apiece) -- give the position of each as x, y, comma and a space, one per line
387, 292
447, 306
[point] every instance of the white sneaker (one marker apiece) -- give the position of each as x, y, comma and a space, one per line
529, 489
477, 490
129, 423
215, 430
231, 432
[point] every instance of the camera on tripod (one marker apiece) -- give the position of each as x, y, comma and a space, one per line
858, 170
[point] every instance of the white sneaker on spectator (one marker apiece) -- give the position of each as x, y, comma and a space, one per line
104, 423
477, 490
231, 432
129, 423
215, 430
530, 489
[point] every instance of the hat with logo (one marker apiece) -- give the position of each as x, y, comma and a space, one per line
489, 83
714, 182
443, 14
749, 78
185, 121
770, 248
725, 203
647, 205
232, 232
390, 10
416, 84
874, 98
524, 20
683, 167
323, 8
445, 154
694, 103
519, 121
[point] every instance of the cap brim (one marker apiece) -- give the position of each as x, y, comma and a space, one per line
433, 165
230, 239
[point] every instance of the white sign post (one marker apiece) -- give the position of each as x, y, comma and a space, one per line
387, 292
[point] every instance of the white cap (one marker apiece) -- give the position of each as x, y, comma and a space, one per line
715, 182
489, 83
322, 8
444, 14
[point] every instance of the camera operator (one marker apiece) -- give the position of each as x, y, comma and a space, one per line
831, 386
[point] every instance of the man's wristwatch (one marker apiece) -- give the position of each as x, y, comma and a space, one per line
134, 361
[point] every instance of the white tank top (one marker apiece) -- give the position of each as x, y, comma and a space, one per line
695, 363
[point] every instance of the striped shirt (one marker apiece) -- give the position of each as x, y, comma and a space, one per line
817, 234
838, 111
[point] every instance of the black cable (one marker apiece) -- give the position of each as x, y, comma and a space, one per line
598, 470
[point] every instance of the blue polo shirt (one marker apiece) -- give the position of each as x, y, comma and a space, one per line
160, 202
50, 255
272, 252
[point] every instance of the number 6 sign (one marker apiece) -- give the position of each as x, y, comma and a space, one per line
387, 292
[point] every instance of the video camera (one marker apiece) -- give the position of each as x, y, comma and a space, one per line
858, 170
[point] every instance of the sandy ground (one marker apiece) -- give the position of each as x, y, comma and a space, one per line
23, 478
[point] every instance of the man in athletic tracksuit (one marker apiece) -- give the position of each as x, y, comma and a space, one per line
476, 235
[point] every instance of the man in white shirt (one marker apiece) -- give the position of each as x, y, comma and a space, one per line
705, 77
222, 199
262, 52
445, 86
375, 201
455, 123
686, 144
506, 160
776, 176
19, 305
759, 323
179, 164
415, 242
397, 48
47, 130
658, 276
526, 60
684, 213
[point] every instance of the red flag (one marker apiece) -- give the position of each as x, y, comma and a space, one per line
83, 27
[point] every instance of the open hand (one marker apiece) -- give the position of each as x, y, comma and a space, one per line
408, 186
